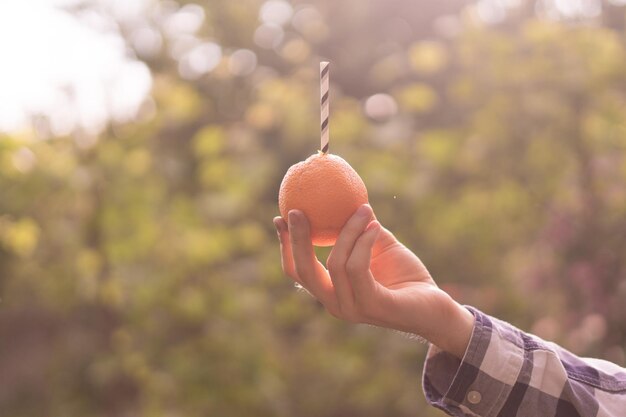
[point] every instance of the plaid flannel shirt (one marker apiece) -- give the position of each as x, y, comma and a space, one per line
506, 372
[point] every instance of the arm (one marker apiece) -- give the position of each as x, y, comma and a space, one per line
476, 365
506, 372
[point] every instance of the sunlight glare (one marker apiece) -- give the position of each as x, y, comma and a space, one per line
57, 67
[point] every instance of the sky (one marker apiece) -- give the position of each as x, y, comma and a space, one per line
72, 69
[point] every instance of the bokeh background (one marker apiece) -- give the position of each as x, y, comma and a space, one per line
143, 143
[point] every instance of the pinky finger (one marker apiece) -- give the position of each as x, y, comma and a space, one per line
286, 256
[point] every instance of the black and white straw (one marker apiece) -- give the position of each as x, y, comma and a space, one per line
324, 102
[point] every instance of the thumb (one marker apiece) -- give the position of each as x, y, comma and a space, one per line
385, 240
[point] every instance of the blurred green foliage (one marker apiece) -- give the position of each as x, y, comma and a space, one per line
139, 269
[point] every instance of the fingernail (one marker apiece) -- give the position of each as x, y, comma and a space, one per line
364, 211
373, 225
278, 226
292, 217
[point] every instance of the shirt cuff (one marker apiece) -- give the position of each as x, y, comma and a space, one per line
480, 383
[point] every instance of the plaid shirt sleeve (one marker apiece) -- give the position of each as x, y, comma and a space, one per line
506, 372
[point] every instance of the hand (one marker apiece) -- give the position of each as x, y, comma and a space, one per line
372, 278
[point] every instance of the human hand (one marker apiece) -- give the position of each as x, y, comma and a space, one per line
373, 278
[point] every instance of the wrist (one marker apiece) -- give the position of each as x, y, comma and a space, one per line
454, 329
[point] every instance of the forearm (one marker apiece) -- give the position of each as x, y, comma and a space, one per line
505, 371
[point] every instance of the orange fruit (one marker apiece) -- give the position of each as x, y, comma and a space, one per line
327, 190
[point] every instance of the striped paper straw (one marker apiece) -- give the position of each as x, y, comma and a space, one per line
324, 70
